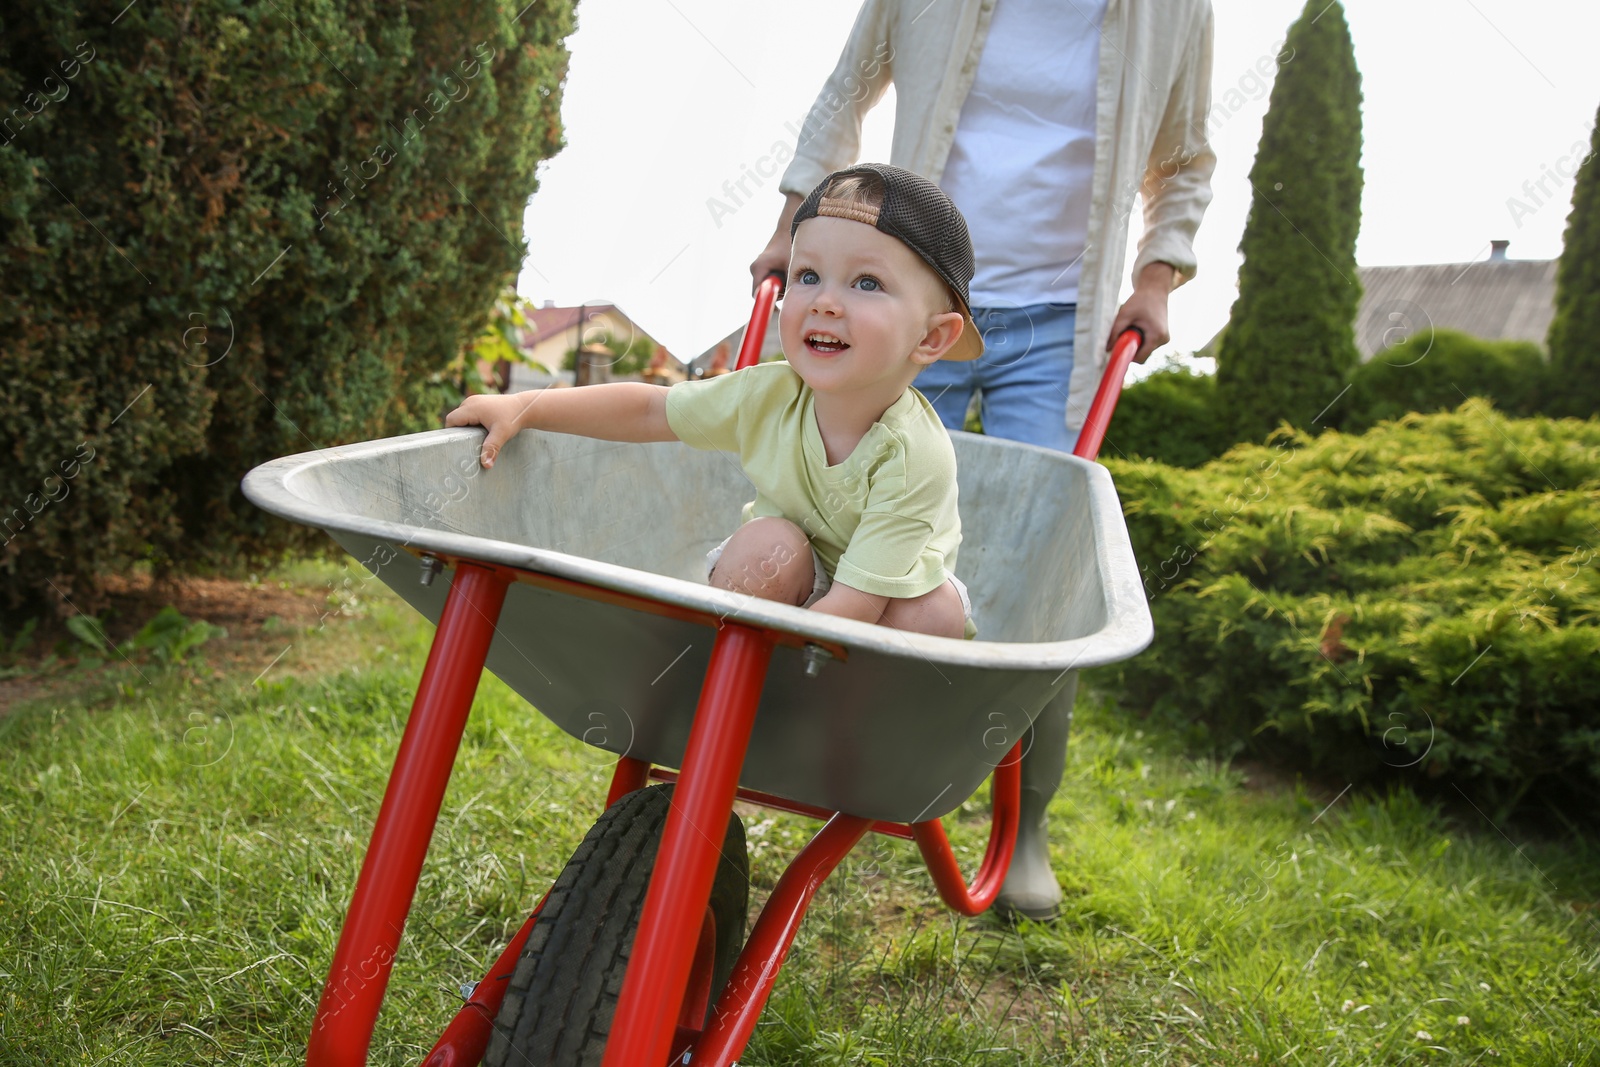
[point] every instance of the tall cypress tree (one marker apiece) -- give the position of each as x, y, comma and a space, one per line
1290, 341
1574, 338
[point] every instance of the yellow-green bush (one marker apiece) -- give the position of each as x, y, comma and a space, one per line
1425, 595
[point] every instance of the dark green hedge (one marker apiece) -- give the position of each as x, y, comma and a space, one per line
1436, 371
1173, 416
1419, 599
234, 231
1169, 417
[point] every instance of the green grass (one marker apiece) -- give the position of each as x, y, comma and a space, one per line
177, 851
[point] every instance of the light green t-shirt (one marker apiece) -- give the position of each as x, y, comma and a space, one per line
884, 520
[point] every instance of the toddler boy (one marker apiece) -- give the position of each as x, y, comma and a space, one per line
855, 510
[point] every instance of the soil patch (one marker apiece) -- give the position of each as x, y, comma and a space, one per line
256, 616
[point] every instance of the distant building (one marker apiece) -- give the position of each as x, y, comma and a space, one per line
553, 332
664, 369
726, 351
1498, 299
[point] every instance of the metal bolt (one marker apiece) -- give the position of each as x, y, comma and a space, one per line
815, 656
467, 989
430, 567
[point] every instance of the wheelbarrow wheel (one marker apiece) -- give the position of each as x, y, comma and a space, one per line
563, 995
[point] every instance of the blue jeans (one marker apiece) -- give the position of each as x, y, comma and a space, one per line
1022, 376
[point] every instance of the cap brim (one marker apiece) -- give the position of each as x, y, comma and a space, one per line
969, 345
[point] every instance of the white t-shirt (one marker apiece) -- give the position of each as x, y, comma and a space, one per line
1022, 162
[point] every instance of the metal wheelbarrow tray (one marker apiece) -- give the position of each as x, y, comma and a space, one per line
574, 571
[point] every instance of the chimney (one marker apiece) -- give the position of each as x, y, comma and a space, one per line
549, 303
1497, 251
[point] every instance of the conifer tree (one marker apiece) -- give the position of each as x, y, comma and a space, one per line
1574, 338
1290, 341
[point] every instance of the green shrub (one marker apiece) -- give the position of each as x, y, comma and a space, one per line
1169, 417
1421, 596
232, 232
629, 355
1436, 371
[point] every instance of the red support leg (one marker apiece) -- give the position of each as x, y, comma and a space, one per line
1006, 813
371, 936
686, 862
629, 775
463, 1042
734, 1018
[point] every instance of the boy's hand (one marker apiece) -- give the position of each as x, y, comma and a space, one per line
500, 415
611, 411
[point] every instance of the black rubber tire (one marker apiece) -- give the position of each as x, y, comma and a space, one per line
562, 997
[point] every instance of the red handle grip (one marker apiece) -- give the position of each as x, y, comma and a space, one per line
754, 334
1105, 398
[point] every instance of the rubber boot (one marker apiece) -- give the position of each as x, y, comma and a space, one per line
1030, 890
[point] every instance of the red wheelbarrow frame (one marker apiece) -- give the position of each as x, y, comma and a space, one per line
648, 1026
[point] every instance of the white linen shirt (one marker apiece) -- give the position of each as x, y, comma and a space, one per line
1152, 97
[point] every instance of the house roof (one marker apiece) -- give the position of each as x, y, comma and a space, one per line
546, 322
1496, 299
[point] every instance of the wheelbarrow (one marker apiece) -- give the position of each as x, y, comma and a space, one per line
574, 571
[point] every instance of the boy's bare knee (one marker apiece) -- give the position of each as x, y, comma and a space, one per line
767, 557
776, 528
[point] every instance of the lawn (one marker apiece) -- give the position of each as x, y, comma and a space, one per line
178, 843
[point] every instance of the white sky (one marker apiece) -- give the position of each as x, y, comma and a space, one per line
1464, 101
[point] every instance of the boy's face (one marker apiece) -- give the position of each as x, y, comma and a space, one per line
861, 310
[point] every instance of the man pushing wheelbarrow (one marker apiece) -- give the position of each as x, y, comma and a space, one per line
1041, 121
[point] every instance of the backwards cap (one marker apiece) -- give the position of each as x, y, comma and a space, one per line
917, 213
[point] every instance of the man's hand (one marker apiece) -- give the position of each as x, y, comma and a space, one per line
500, 415
774, 259
1146, 309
